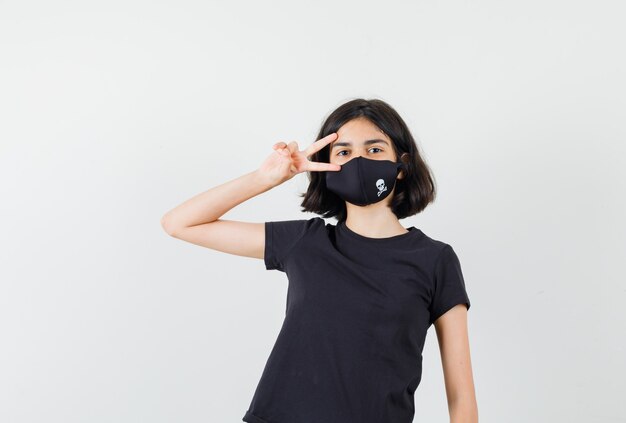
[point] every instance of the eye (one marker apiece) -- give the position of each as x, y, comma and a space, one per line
345, 151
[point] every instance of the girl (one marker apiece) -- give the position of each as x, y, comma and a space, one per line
362, 293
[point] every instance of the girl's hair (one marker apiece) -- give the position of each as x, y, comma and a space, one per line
412, 193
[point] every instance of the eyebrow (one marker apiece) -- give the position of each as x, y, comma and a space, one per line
368, 142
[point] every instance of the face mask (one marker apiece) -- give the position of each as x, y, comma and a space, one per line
363, 181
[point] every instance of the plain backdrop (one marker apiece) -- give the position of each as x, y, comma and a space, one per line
112, 113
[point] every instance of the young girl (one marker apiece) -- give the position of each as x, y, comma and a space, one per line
362, 293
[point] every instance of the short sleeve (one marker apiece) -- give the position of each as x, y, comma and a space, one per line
449, 289
280, 239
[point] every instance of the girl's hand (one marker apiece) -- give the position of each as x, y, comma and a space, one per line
287, 161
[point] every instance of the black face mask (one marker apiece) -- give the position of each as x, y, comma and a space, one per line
363, 181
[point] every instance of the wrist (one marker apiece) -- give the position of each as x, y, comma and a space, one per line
261, 180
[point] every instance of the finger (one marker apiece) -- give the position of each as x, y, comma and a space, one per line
321, 143
320, 167
279, 144
293, 147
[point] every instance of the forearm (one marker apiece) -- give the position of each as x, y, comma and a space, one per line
463, 411
208, 206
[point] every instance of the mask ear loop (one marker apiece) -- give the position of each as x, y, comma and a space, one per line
402, 166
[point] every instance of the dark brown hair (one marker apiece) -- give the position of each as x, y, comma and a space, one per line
412, 193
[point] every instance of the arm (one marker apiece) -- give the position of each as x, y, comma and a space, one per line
453, 341
197, 219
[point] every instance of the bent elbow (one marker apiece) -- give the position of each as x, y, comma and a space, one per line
167, 225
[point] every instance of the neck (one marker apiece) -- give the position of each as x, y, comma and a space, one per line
373, 221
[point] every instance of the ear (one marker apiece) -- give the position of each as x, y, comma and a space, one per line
404, 158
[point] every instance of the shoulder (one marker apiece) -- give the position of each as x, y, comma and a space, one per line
437, 253
297, 224
282, 237
436, 247
294, 228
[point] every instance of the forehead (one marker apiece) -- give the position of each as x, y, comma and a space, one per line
360, 132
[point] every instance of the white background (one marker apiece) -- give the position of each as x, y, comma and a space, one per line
112, 113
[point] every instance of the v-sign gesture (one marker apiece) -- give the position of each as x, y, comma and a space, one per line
287, 160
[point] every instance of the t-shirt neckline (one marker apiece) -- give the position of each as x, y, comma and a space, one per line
412, 231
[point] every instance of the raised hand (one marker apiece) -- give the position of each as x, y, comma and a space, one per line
287, 160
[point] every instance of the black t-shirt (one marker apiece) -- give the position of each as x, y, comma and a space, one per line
358, 309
